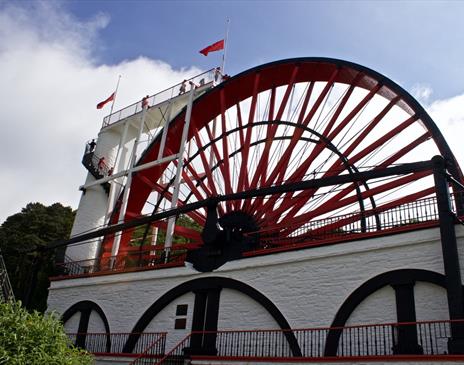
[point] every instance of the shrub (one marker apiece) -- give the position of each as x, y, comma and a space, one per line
35, 339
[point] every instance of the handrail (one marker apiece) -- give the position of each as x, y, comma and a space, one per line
146, 354
384, 340
132, 260
115, 343
158, 98
418, 214
92, 161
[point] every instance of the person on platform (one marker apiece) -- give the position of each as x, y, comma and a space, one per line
217, 75
92, 145
145, 102
183, 87
101, 164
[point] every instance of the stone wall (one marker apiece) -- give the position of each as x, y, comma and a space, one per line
308, 287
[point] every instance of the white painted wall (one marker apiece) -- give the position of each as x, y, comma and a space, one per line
431, 302
308, 286
383, 301
96, 324
93, 204
237, 310
72, 325
164, 321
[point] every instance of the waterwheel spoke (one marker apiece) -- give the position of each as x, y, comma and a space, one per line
225, 150
243, 183
334, 113
205, 163
403, 151
337, 166
384, 207
237, 203
299, 173
282, 164
337, 201
196, 216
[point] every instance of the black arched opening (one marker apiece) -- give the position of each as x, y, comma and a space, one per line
396, 277
85, 308
212, 283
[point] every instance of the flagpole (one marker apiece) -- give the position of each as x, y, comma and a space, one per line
115, 93
225, 47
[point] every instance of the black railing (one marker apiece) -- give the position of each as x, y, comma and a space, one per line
114, 343
369, 340
174, 357
96, 165
408, 214
200, 80
427, 338
133, 260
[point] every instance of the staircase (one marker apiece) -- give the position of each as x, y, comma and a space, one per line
98, 169
6, 292
174, 357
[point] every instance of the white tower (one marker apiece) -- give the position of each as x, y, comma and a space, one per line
122, 138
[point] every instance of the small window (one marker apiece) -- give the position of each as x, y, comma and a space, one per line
181, 310
180, 324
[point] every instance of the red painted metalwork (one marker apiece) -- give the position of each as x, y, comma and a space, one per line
337, 202
337, 166
243, 181
346, 104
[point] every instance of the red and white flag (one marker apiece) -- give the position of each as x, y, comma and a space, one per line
213, 47
102, 103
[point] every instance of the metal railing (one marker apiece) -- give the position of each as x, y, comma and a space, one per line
417, 214
158, 98
149, 358
96, 165
6, 290
132, 260
352, 224
114, 343
425, 338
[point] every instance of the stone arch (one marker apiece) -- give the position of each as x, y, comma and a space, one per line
369, 287
86, 307
214, 284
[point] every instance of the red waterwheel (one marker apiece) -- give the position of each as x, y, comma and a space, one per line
290, 121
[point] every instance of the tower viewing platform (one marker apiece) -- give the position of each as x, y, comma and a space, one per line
176, 96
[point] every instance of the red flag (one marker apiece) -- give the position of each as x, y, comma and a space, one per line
213, 47
102, 103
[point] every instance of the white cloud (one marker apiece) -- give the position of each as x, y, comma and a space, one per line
50, 86
51, 83
448, 114
422, 92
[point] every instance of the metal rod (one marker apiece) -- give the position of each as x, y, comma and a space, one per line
165, 131
115, 93
125, 172
113, 189
298, 186
125, 197
225, 47
180, 167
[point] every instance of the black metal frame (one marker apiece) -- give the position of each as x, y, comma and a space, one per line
253, 193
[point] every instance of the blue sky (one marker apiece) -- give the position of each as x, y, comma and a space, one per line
59, 58
410, 41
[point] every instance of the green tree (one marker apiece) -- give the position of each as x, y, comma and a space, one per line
35, 339
23, 237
